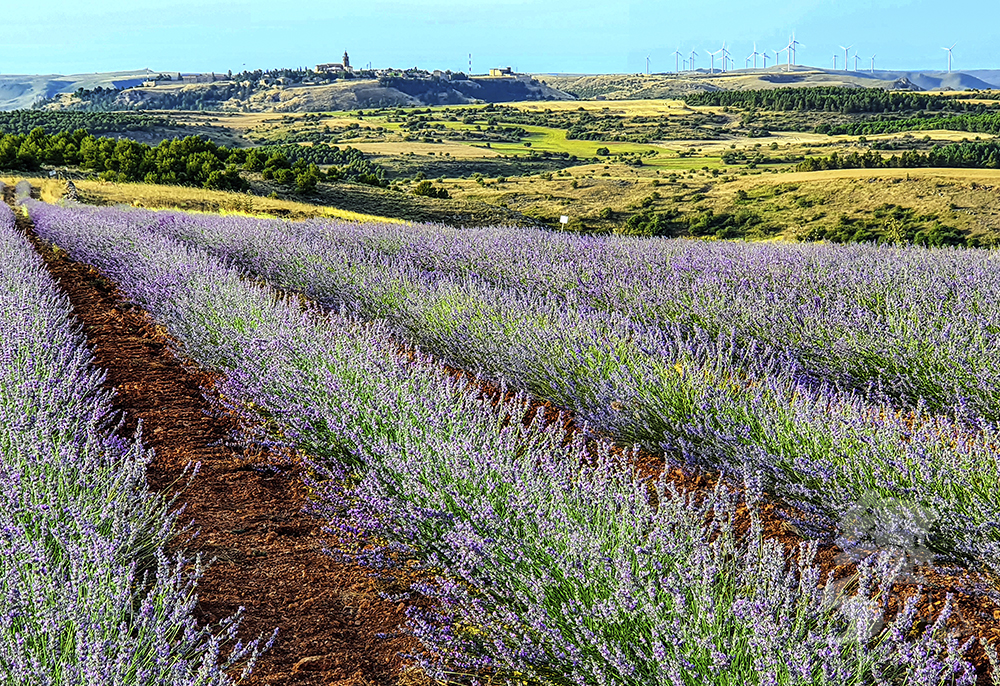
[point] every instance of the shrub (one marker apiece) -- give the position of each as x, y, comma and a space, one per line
427, 189
306, 181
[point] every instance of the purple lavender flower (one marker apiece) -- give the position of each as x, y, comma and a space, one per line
88, 595
549, 563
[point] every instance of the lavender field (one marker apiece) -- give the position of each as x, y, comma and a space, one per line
855, 384
90, 595
803, 366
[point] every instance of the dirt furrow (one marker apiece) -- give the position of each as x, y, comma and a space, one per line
246, 508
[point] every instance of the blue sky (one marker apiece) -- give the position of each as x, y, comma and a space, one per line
55, 36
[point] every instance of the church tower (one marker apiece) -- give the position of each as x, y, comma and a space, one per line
347, 61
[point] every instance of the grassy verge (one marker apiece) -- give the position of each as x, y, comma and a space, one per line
192, 199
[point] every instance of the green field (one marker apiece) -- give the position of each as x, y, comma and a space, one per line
663, 164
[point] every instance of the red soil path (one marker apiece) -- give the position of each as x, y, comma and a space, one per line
269, 558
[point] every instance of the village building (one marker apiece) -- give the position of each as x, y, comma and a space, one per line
344, 66
199, 78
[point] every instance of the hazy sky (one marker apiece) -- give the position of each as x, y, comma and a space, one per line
55, 36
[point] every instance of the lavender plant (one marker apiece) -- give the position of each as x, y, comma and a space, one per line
630, 345
548, 567
89, 596
920, 324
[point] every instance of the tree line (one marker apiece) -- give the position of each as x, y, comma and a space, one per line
973, 154
347, 163
191, 161
24, 122
834, 99
974, 123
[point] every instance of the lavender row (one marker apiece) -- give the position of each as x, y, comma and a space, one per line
88, 594
713, 400
921, 325
549, 571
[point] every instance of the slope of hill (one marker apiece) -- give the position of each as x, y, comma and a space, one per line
17, 92
990, 76
942, 81
639, 86
341, 95
628, 86
307, 95
22, 91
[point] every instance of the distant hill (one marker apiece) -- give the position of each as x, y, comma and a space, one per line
18, 92
268, 94
21, 92
938, 80
990, 76
641, 86
628, 86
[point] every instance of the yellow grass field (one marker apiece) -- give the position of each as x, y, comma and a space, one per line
968, 199
645, 108
988, 176
191, 199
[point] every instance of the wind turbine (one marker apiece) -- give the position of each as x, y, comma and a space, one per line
754, 55
793, 44
856, 60
726, 55
691, 62
777, 56
713, 54
764, 55
835, 61
873, 63
846, 56
677, 60
647, 65
949, 54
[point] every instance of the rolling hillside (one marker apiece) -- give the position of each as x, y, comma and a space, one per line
639, 86
22, 91
273, 94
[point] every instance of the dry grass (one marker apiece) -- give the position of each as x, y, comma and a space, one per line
645, 108
966, 199
552, 197
191, 199
987, 176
